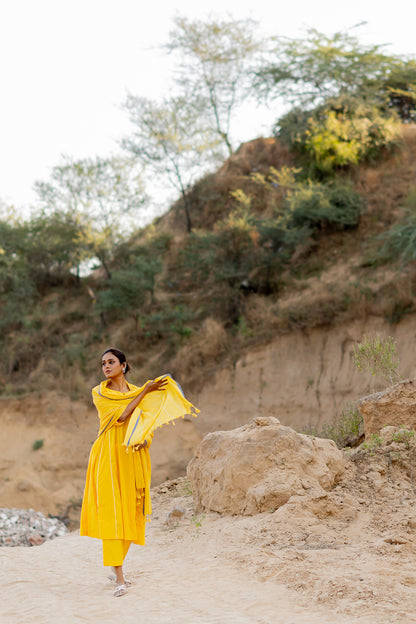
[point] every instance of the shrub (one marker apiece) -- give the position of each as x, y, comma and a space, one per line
404, 436
169, 321
374, 443
342, 132
246, 252
129, 288
317, 204
378, 356
345, 429
399, 242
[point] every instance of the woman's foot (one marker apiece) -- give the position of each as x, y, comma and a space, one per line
120, 590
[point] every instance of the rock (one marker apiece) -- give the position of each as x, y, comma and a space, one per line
174, 515
394, 539
259, 466
395, 406
268, 495
25, 527
35, 539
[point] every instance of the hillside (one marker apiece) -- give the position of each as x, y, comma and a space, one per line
273, 340
190, 323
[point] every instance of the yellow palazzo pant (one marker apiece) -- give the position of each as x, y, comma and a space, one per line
115, 551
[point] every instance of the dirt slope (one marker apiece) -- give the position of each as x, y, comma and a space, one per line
302, 378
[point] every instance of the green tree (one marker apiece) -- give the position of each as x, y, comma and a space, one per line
312, 69
129, 288
244, 253
12, 263
53, 247
216, 60
170, 138
18, 293
103, 195
398, 89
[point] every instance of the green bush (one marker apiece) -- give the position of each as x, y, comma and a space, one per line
340, 133
404, 436
378, 356
167, 322
37, 444
346, 427
129, 288
245, 252
292, 127
399, 242
316, 204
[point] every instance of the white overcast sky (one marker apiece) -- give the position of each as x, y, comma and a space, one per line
66, 67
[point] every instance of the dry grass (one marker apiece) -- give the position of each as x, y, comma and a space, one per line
386, 184
210, 198
261, 314
257, 155
203, 350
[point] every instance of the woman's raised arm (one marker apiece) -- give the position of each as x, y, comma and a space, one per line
151, 386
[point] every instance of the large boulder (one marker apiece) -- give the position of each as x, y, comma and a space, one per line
259, 466
395, 406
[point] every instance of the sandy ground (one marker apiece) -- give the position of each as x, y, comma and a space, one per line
351, 560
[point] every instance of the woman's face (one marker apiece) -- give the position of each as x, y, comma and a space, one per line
111, 365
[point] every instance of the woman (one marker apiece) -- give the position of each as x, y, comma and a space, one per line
117, 491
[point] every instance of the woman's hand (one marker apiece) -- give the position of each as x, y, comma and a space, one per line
153, 386
138, 447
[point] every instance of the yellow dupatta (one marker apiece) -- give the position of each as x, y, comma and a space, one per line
156, 409
111, 404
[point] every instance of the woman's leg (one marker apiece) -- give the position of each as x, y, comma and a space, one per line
114, 553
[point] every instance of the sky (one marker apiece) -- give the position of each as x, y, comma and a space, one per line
67, 66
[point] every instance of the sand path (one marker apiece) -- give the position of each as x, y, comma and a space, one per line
211, 569
177, 578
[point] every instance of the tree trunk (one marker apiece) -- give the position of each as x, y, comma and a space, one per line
186, 207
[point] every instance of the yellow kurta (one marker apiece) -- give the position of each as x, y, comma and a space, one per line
116, 500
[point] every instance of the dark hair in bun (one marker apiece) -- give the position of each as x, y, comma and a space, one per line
120, 356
